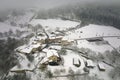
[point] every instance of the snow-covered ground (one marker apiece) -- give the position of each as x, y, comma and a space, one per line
16, 26
54, 23
98, 30
94, 47
20, 19
103, 75
6, 28
92, 31
68, 63
115, 42
81, 33
24, 64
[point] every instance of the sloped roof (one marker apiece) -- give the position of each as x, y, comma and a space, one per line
51, 52
90, 63
28, 48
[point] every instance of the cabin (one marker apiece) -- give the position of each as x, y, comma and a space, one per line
76, 62
90, 64
101, 66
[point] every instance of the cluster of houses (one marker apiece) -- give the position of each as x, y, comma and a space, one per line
52, 57
39, 42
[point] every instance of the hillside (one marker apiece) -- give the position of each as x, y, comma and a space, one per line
67, 54
68, 42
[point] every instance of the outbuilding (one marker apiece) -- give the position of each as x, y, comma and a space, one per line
101, 66
76, 62
90, 64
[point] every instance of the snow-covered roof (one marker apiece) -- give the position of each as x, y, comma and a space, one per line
90, 63
28, 48
50, 52
56, 47
76, 61
55, 37
101, 66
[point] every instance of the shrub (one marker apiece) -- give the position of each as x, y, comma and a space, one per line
49, 74
62, 51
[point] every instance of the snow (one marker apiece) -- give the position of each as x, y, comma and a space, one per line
100, 74
23, 64
93, 31
6, 28
50, 52
97, 48
70, 37
69, 60
28, 48
20, 19
97, 30
101, 65
55, 47
90, 63
54, 23
68, 63
35, 39
76, 61
81, 33
115, 42
25, 18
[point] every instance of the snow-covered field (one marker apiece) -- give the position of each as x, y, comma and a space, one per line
93, 30
94, 47
54, 23
115, 42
